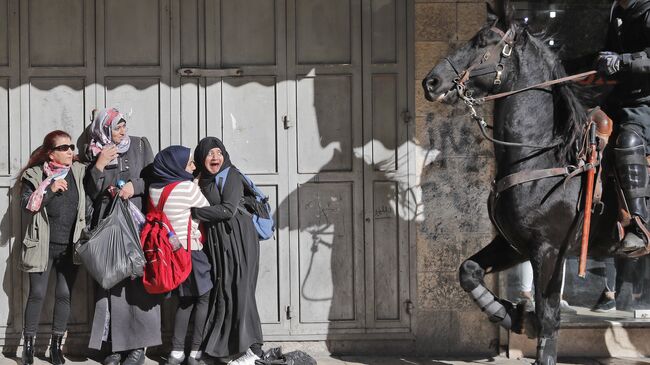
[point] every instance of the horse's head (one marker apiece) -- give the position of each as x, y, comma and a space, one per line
477, 67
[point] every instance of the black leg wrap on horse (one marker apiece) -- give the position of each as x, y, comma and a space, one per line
495, 310
471, 280
546, 351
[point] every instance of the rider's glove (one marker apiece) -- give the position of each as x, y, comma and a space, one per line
608, 63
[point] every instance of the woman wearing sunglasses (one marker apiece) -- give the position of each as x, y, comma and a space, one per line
53, 194
127, 318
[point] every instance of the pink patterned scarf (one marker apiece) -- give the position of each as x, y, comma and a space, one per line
53, 171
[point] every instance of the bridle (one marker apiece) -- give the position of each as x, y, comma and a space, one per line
482, 67
486, 64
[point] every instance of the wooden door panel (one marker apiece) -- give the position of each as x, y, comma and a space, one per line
56, 103
132, 33
324, 124
56, 33
249, 122
4, 32
324, 31
326, 245
248, 33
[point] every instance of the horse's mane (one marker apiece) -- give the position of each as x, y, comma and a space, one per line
568, 99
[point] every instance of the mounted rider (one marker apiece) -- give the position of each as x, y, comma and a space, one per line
627, 60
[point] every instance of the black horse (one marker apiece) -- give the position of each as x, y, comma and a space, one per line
539, 220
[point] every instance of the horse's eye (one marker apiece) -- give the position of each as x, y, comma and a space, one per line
482, 42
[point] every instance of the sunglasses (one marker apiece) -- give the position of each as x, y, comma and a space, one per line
64, 147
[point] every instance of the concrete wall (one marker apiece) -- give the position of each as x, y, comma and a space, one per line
458, 167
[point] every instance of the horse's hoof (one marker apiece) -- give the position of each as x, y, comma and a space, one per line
523, 318
530, 325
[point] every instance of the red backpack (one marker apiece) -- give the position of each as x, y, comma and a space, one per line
165, 268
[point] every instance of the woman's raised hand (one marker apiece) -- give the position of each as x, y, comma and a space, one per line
108, 154
59, 185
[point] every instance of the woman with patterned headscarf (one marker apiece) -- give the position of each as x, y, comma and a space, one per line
127, 318
234, 328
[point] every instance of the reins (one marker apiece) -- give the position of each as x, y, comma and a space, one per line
537, 86
472, 102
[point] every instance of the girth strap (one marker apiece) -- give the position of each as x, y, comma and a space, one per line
521, 177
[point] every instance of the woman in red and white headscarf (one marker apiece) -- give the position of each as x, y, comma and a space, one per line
127, 318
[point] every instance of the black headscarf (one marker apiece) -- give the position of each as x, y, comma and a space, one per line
201, 152
169, 166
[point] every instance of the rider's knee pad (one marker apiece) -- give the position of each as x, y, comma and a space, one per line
629, 139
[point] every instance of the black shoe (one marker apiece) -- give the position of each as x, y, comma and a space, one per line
604, 304
28, 350
112, 359
135, 357
56, 355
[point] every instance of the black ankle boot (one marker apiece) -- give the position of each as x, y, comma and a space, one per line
28, 350
112, 359
56, 355
135, 357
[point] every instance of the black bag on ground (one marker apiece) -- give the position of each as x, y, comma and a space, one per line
275, 356
112, 252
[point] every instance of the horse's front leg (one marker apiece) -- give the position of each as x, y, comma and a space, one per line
498, 255
547, 272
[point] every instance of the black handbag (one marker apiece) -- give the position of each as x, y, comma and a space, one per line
112, 251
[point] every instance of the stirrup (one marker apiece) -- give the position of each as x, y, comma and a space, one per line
641, 251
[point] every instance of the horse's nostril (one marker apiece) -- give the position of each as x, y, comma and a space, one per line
432, 84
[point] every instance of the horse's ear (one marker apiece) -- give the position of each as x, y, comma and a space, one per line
508, 12
497, 14
492, 16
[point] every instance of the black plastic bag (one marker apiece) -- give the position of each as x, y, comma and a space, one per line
299, 358
275, 356
112, 252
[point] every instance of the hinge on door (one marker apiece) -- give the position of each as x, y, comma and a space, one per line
286, 122
409, 306
288, 312
406, 116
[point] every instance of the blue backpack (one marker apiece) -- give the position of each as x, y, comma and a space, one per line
254, 204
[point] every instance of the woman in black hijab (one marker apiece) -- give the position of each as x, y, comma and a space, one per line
234, 327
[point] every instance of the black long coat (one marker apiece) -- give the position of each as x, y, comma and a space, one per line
233, 246
134, 314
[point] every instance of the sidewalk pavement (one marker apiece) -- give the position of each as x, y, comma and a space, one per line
388, 360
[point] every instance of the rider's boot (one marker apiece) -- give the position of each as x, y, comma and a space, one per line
632, 171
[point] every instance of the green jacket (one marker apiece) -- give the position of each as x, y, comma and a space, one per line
36, 244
